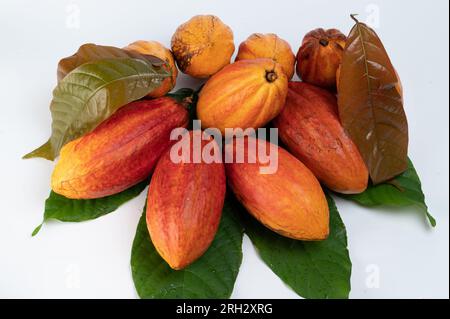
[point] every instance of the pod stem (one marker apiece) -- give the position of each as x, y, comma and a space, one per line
271, 76
353, 16
187, 101
324, 42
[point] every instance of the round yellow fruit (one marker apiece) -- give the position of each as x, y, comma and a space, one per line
202, 46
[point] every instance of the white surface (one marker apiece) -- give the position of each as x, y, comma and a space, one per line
91, 259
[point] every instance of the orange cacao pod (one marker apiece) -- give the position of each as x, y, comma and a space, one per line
320, 56
268, 46
185, 201
120, 152
245, 94
290, 201
310, 128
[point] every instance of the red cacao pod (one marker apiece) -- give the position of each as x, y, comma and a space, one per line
310, 128
120, 152
184, 206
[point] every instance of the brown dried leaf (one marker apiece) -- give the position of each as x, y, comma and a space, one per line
92, 52
371, 104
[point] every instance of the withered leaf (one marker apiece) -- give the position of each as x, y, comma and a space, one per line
90, 52
371, 104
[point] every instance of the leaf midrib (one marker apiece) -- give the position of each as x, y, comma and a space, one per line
369, 86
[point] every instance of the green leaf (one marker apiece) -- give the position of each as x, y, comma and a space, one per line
403, 191
77, 210
90, 52
211, 276
319, 269
91, 93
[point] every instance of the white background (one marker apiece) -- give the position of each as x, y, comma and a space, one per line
91, 259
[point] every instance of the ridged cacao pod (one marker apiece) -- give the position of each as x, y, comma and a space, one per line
290, 201
202, 46
185, 201
245, 94
268, 46
320, 56
309, 126
120, 152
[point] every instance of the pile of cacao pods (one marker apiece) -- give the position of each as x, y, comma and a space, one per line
185, 198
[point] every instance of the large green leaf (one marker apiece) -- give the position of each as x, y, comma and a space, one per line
90, 52
91, 93
211, 276
319, 269
77, 210
404, 190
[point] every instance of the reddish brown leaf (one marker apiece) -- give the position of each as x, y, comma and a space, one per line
371, 104
92, 52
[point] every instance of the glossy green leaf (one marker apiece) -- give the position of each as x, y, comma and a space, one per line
90, 52
403, 191
91, 93
77, 210
319, 269
211, 276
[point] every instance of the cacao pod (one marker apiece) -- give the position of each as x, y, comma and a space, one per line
157, 49
120, 152
290, 201
320, 56
185, 201
310, 128
202, 46
268, 46
245, 94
